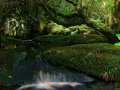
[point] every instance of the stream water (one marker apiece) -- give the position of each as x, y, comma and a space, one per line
28, 67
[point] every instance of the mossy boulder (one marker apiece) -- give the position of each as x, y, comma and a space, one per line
53, 28
71, 39
56, 29
95, 59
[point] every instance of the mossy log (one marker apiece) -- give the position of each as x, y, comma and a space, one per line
71, 39
111, 35
95, 59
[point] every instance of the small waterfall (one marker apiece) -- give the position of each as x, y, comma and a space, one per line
33, 69
48, 73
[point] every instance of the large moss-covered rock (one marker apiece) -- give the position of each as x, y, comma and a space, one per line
95, 59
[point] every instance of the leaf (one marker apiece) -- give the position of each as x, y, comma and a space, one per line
118, 35
117, 44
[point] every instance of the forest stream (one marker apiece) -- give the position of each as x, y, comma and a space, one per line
28, 67
59, 44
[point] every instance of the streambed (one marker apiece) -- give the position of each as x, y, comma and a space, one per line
24, 65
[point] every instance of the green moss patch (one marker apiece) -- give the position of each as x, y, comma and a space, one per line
98, 24
71, 39
102, 60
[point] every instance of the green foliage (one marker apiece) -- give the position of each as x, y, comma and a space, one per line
118, 35
98, 24
118, 43
15, 27
95, 9
36, 18
83, 27
62, 6
99, 9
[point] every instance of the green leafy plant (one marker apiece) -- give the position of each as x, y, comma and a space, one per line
118, 43
118, 35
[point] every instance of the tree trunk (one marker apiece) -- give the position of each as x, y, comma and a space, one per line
34, 17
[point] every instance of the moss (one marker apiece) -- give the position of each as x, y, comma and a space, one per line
81, 28
98, 24
101, 60
105, 30
71, 39
117, 44
42, 26
118, 35
54, 28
